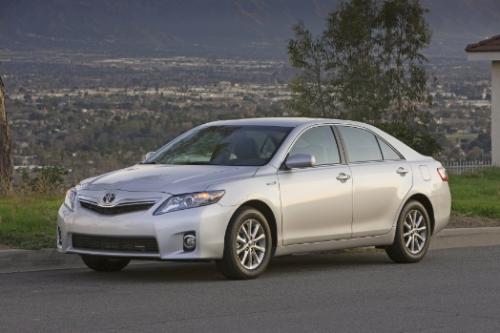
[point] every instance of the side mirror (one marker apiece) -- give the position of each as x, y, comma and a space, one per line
148, 155
298, 161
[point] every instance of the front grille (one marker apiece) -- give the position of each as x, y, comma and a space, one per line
117, 244
118, 209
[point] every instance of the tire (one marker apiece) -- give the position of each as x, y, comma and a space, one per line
412, 237
105, 264
258, 248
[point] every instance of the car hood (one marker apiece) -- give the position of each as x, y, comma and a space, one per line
173, 179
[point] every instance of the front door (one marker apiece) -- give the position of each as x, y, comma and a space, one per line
316, 201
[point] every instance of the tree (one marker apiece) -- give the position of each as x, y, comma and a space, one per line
311, 95
5, 145
367, 65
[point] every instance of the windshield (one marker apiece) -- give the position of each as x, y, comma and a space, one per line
224, 145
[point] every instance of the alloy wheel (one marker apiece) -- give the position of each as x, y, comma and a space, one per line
414, 231
251, 244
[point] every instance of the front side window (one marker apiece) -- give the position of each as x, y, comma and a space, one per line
319, 142
361, 145
224, 145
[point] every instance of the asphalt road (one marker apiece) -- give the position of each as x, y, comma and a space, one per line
454, 290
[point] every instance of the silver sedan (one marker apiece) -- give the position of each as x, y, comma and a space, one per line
242, 191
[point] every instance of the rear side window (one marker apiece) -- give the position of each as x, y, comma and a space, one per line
360, 145
319, 142
388, 152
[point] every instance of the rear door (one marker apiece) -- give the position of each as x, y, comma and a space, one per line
381, 180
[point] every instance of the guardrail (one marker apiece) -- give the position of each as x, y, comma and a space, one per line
463, 166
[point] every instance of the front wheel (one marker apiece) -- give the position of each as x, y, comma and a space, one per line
105, 264
413, 234
247, 246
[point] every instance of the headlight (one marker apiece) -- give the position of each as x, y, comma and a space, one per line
69, 201
190, 200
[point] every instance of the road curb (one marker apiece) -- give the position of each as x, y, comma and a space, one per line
468, 231
466, 237
16, 260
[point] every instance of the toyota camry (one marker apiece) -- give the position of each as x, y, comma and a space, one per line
239, 192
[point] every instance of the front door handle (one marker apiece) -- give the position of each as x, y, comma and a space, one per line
402, 171
343, 177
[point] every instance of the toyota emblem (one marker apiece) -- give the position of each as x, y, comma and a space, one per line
108, 198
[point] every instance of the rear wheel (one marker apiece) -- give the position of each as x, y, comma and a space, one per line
413, 234
105, 264
247, 246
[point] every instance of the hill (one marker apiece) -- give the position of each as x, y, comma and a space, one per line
256, 28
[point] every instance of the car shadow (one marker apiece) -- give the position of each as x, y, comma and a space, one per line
145, 272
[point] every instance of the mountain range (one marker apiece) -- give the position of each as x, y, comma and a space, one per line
222, 28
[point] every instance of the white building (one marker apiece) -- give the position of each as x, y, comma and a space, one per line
489, 49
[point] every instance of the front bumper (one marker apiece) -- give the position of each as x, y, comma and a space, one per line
209, 223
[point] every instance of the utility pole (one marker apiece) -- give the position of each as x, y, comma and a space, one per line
5, 146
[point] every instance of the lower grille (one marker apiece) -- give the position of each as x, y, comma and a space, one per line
117, 244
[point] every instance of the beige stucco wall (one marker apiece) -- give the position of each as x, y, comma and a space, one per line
495, 112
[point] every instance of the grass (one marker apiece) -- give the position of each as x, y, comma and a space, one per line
29, 221
477, 194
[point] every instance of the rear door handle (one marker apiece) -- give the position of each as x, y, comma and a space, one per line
343, 177
402, 171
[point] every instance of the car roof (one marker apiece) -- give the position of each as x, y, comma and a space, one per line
280, 121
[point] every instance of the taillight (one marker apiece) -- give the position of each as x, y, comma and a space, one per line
443, 174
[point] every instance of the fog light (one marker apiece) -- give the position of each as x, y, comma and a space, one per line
189, 242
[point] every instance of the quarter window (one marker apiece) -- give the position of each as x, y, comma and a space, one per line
388, 152
360, 145
319, 142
